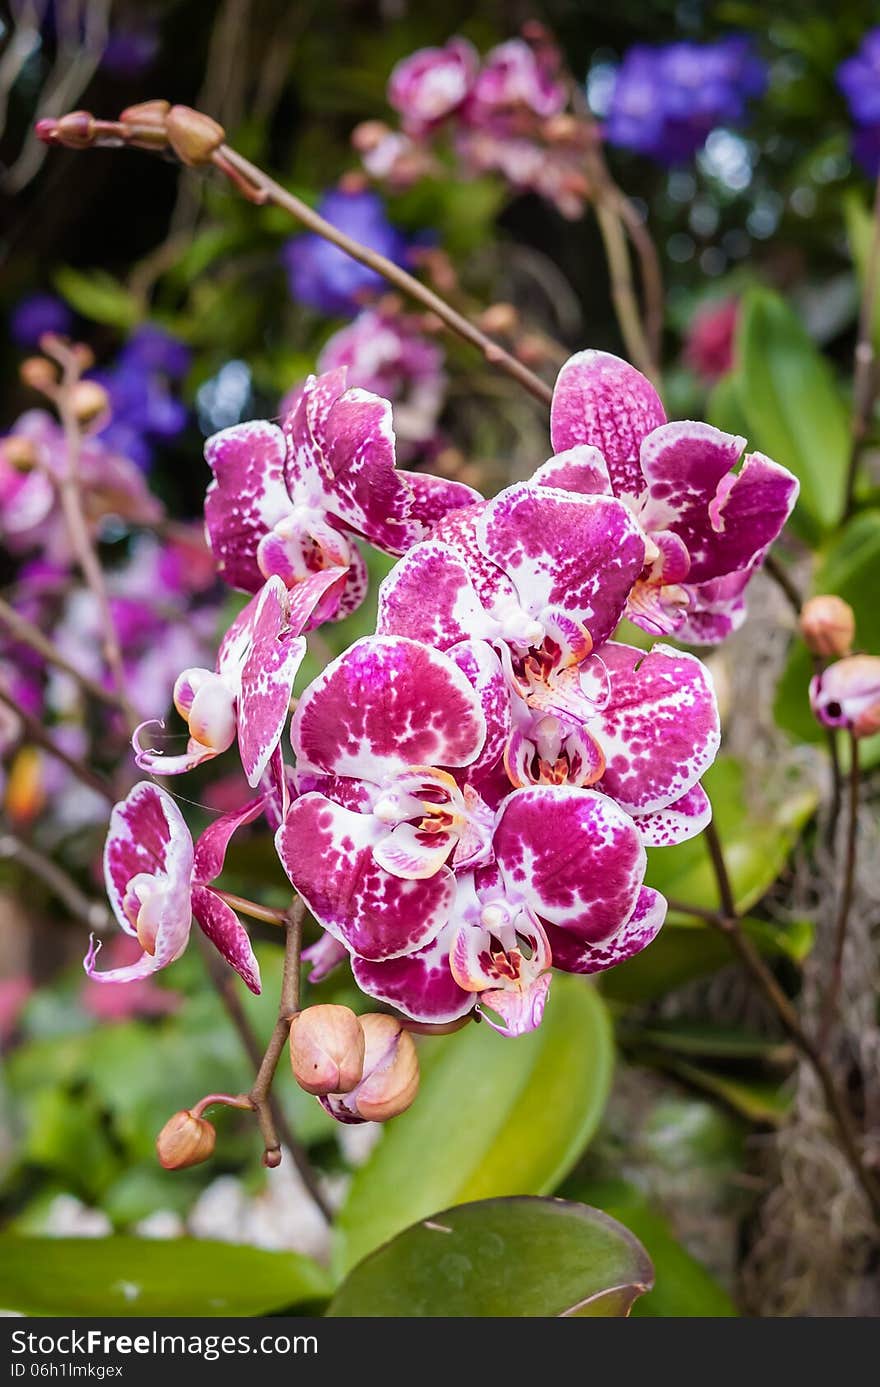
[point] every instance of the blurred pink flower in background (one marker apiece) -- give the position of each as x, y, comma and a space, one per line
709, 343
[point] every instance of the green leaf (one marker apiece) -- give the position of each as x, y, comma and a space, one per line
494, 1116
756, 843
140, 1276
794, 409
703, 1038
849, 569
860, 233
756, 1099
512, 1257
683, 1288
98, 296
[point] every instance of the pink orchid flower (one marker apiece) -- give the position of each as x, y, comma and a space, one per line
543, 576
378, 736
247, 695
707, 526
291, 502
565, 888
157, 881
847, 694
432, 83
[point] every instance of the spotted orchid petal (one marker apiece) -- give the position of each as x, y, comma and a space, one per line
504, 956
336, 606
578, 554
328, 854
210, 849
714, 610
434, 497
582, 469
516, 1013
429, 596
481, 666
683, 819
572, 856
660, 729
572, 955
419, 984
219, 923
386, 704
603, 401
726, 519
322, 957
148, 861
246, 498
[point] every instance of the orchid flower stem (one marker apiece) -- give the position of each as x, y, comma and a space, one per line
93, 913
252, 909
864, 385
260, 188
26, 633
34, 731
228, 1100
274, 1127
774, 569
728, 923
77, 526
829, 1008
622, 289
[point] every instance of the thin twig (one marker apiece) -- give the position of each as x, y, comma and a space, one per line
93, 913
863, 384
844, 906
728, 923
26, 633
34, 731
775, 570
252, 909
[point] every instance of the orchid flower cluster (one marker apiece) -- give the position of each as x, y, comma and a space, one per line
504, 113
476, 783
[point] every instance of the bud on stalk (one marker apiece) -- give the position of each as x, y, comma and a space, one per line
391, 1074
185, 1140
828, 626
327, 1049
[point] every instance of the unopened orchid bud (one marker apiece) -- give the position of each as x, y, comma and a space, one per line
38, 373
847, 694
76, 130
146, 124
390, 1077
89, 401
499, 318
19, 452
828, 626
369, 135
561, 129
327, 1047
194, 137
83, 356
185, 1140
391, 1069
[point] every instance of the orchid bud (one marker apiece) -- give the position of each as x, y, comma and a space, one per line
847, 694
185, 1140
327, 1049
38, 373
828, 625
146, 125
19, 452
194, 137
89, 401
369, 135
390, 1077
499, 319
76, 130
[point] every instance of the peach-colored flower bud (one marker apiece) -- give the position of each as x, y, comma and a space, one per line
828, 625
561, 129
369, 135
145, 125
185, 1140
327, 1046
19, 452
83, 356
193, 136
499, 318
76, 130
38, 373
391, 1069
89, 401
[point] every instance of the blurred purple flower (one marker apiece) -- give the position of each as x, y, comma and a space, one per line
131, 48
322, 276
859, 80
36, 314
668, 99
144, 410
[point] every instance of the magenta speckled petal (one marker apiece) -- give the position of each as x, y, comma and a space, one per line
482, 667
582, 469
429, 596
245, 499
219, 922
327, 852
684, 819
726, 519
659, 730
714, 610
420, 985
601, 400
386, 704
516, 1013
210, 849
351, 594
148, 834
322, 957
580, 554
267, 676
368, 495
434, 497
572, 955
572, 856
